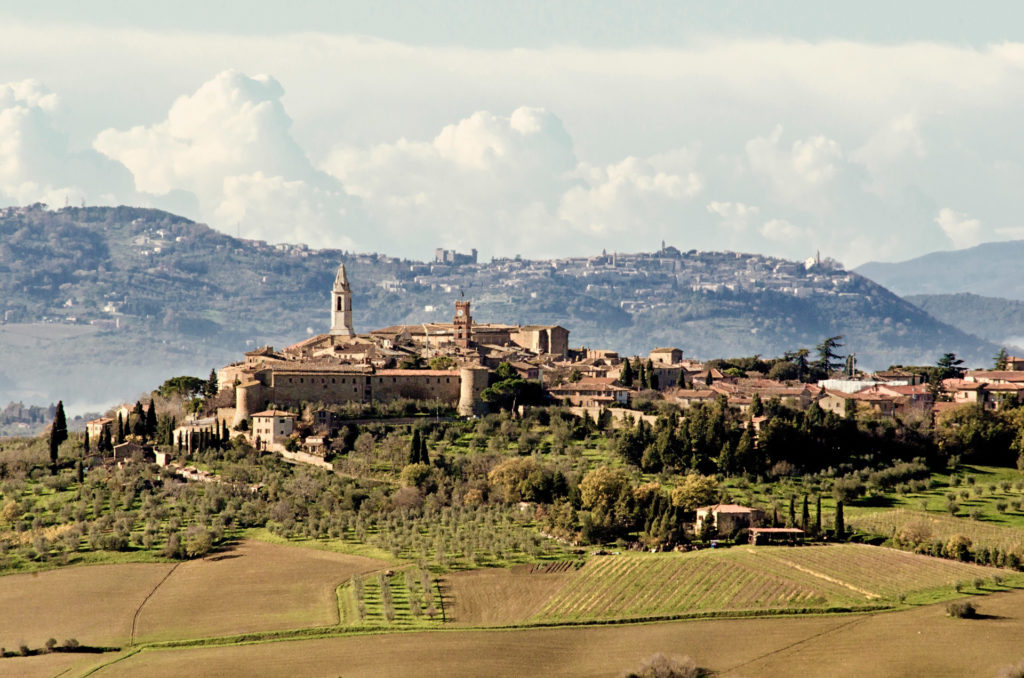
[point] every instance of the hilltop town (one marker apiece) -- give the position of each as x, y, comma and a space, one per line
283, 399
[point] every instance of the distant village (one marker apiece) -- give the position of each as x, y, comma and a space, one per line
267, 395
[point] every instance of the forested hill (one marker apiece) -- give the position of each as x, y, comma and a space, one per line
1000, 321
188, 298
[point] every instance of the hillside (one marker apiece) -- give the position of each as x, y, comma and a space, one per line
991, 269
1000, 321
101, 303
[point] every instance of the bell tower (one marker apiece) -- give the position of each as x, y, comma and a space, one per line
341, 305
463, 324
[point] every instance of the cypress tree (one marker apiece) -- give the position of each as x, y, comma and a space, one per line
120, 429
651, 377
840, 522
85, 443
210, 387
424, 453
817, 515
414, 447
642, 376
805, 516
681, 379
627, 374
151, 420
58, 434
792, 511
60, 423
79, 471
756, 406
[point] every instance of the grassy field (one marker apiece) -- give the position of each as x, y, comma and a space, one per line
938, 526
918, 641
738, 580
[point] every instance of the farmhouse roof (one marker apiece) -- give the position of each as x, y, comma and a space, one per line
728, 508
275, 413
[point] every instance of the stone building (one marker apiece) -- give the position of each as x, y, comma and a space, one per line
271, 427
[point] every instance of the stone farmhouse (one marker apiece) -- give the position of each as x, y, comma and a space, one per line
727, 518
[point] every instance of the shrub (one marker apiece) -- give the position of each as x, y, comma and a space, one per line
1013, 671
962, 609
660, 666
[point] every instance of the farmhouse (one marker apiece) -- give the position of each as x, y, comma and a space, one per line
727, 518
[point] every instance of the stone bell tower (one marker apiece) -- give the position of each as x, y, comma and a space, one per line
463, 324
341, 305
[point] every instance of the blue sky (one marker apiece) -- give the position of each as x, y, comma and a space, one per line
866, 130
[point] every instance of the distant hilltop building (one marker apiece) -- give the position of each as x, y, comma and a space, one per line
443, 256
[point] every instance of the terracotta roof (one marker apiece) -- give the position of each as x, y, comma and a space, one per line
275, 413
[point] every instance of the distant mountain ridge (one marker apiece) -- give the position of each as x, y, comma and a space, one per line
103, 302
1000, 321
992, 269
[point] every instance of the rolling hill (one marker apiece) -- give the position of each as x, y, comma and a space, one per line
102, 303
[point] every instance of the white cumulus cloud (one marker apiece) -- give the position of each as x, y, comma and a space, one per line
781, 230
799, 175
961, 229
229, 144
512, 183
36, 164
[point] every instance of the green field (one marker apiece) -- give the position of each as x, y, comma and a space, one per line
845, 576
743, 580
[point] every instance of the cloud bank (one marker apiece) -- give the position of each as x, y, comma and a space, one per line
784, 147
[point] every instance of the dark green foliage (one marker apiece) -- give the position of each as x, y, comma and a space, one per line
962, 609
828, 359
840, 521
151, 420
626, 376
210, 386
184, 386
950, 366
508, 390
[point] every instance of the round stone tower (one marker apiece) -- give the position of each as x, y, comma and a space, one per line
472, 382
247, 396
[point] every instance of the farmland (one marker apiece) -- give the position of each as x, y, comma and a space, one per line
918, 641
940, 527
252, 587
740, 580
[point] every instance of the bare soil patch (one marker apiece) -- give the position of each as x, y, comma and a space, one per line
255, 587
93, 604
916, 642
501, 596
